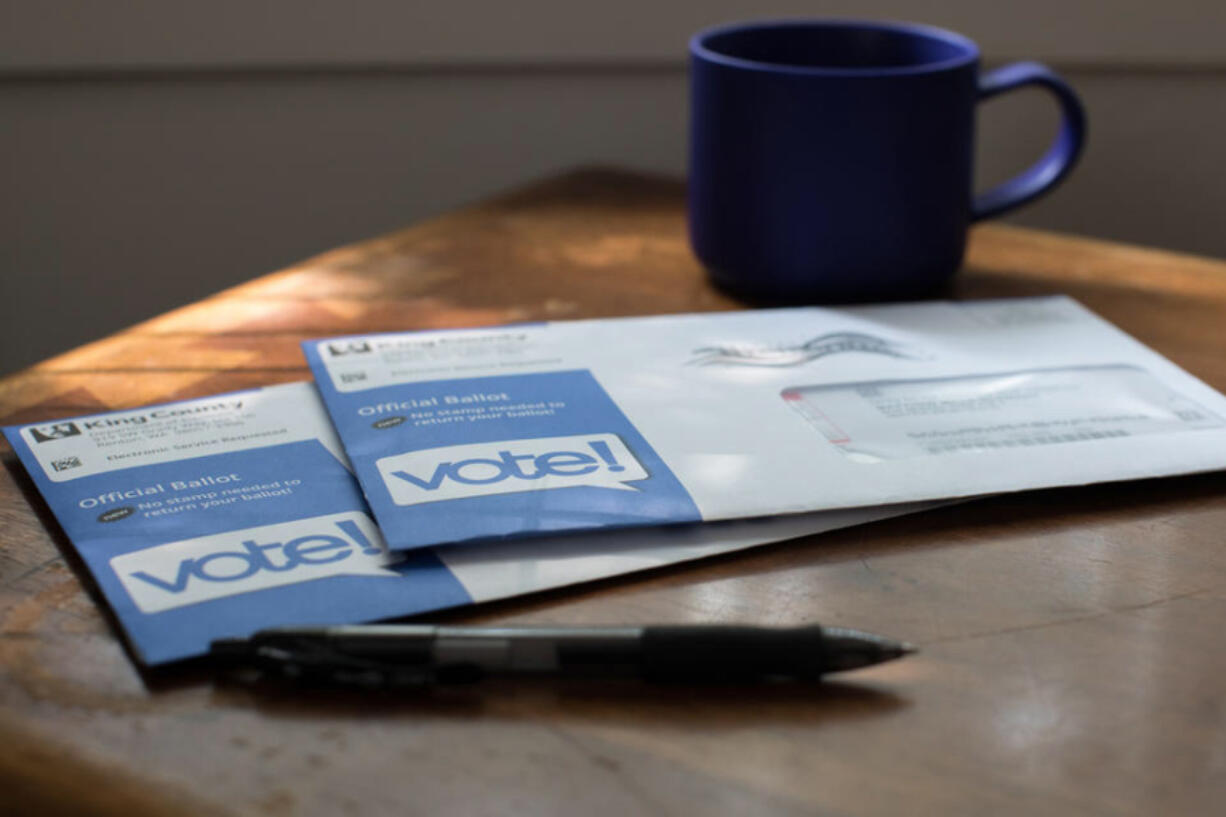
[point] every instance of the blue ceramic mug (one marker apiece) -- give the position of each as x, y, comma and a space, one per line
831, 161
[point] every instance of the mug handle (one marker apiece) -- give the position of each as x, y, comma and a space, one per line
1059, 159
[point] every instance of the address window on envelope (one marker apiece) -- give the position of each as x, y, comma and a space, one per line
899, 419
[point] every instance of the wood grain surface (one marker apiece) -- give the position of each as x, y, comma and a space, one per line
1072, 640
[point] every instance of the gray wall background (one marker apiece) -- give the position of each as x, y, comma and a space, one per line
155, 152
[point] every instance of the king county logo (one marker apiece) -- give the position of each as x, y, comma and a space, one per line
57, 431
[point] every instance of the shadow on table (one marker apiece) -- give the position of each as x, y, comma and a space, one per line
625, 703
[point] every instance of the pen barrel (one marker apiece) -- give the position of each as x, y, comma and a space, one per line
416, 655
732, 654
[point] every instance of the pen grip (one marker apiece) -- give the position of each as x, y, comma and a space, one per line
731, 654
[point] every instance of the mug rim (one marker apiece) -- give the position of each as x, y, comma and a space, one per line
969, 50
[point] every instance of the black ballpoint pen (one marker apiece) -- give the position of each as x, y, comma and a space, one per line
388, 655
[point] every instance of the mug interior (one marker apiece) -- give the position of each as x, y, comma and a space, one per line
837, 46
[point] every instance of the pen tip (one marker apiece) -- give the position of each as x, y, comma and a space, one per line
905, 648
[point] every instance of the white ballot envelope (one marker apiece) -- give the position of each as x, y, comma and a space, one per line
497, 433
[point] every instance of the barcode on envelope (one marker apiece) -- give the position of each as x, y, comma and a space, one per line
66, 463
1024, 442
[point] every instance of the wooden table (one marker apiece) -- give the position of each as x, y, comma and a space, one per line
1072, 640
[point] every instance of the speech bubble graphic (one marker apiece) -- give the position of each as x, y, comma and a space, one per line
510, 466
190, 571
